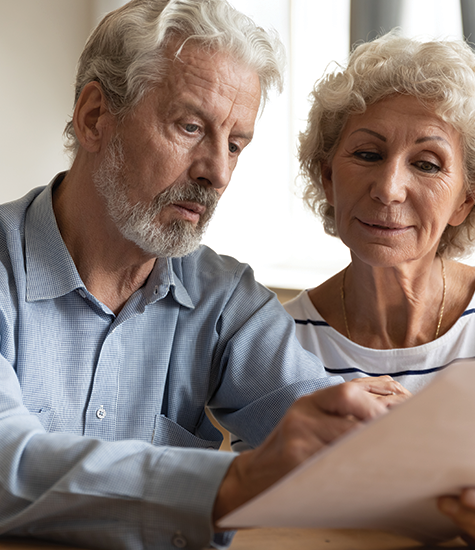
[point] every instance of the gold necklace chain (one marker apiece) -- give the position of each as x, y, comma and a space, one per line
442, 306
342, 296
441, 312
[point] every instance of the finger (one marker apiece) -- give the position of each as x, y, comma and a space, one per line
382, 385
348, 399
309, 423
392, 400
330, 428
461, 515
467, 498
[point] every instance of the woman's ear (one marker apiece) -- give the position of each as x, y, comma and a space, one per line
461, 213
326, 171
91, 117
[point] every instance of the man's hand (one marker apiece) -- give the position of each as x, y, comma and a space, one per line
309, 425
461, 510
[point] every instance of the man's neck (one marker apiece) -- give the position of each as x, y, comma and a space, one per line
111, 267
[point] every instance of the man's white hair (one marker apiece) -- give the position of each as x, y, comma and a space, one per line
125, 53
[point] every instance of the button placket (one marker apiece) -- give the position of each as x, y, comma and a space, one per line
102, 413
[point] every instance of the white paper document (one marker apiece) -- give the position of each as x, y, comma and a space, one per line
386, 475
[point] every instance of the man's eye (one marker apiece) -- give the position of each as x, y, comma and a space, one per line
191, 128
368, 156
426, 166
233, 148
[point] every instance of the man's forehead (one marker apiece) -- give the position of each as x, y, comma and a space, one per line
194, 65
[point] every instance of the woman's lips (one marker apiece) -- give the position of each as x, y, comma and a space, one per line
383, 227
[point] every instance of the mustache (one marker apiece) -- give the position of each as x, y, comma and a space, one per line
191, 191
188, 192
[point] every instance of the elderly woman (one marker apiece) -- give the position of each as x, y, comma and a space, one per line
389, 162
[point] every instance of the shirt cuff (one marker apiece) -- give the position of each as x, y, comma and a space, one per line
189, 495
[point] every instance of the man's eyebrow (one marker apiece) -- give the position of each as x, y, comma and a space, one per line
244, 136
371, 132
193, 109
196, 110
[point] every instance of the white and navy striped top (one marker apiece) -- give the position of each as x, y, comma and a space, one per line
412, 367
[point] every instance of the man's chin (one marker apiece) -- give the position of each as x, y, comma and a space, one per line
181, 252
169, 249
172, 240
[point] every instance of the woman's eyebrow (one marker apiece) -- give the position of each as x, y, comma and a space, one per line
429, 138
368, 131
382, 138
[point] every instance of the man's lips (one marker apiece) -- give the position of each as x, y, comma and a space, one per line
190, 211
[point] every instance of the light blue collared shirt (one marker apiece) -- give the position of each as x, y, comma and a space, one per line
104, 437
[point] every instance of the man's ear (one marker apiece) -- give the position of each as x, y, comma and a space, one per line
91, 117
326, 171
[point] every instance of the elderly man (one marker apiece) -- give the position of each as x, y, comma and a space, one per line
117, 329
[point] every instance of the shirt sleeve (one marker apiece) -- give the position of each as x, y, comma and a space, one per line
128, 493
93, 493
262, 367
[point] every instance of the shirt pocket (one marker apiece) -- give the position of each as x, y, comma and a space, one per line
46, 416
166, 432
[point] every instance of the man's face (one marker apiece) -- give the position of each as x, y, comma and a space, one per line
168, 163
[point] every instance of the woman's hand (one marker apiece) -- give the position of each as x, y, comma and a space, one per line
386, 388
461, 510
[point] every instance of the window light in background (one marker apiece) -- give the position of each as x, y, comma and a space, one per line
261, 220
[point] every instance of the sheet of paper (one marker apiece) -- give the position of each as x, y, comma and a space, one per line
386, 475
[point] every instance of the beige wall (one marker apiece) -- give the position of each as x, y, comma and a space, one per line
40, 41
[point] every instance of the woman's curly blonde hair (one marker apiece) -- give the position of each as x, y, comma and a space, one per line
441, 74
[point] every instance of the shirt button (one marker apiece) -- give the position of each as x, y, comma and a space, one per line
101, 412
179, 540
81, 293
155, 290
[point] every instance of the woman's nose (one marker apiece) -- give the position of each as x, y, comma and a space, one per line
390, 183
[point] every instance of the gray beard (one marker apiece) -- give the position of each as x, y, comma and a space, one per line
139, 222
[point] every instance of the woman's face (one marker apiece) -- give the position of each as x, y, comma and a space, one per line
396, 181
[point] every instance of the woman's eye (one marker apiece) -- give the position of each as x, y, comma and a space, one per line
427, 166
368, 156
191, 128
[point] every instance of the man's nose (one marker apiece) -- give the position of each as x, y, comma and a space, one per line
390, 183
212, 165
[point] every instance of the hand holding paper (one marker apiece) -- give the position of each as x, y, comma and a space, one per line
386, 475
309, 425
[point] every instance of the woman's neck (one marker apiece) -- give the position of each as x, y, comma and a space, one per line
395, 307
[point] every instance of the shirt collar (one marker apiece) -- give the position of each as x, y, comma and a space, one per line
163, 278
51, 272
